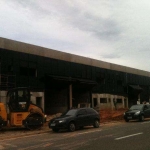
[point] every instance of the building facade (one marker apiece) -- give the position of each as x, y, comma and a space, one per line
59, 81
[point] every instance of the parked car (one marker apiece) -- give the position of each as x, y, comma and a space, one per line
75, 118
137, 112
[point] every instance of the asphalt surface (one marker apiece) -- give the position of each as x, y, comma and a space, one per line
21, 136
7, 133
110, 136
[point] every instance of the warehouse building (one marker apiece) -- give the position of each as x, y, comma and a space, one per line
59, 81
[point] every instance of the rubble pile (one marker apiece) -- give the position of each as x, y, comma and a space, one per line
49, 117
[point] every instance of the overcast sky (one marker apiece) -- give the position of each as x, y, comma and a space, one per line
115, 31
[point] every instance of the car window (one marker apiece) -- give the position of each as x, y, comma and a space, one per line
136, 107
82, 112
91, 111
71, 112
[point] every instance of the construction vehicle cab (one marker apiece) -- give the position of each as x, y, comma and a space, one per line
20, 112
18, 100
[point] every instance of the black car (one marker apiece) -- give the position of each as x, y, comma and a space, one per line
75, 118
137, 112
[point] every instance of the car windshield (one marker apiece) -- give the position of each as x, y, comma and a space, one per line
136, 107
71, 112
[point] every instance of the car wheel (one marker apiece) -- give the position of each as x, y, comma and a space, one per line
141, 118
127, 120
71, 127
96, 124
55, 130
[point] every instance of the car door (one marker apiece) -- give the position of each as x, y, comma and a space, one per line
81, 119
91, 116
147, 111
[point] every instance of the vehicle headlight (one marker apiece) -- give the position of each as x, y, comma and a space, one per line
137, 113
61, 121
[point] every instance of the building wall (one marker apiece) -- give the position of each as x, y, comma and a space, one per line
55, 54
108, 101
38, 99
29, 70
31, 65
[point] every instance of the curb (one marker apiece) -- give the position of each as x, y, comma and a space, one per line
19, 132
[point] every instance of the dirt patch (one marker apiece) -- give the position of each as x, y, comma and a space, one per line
105, 115
111, 115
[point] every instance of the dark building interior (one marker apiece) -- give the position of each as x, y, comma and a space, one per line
54, 76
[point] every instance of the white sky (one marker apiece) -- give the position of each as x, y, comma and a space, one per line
116, 31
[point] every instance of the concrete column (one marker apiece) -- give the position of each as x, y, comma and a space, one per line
139, 99
112, 103
122, 101
43, 103
98, 99
92, 101
126, 102
70, 96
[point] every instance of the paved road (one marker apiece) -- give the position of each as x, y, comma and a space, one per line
114, 136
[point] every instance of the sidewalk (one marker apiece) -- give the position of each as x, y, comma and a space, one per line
7, 133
